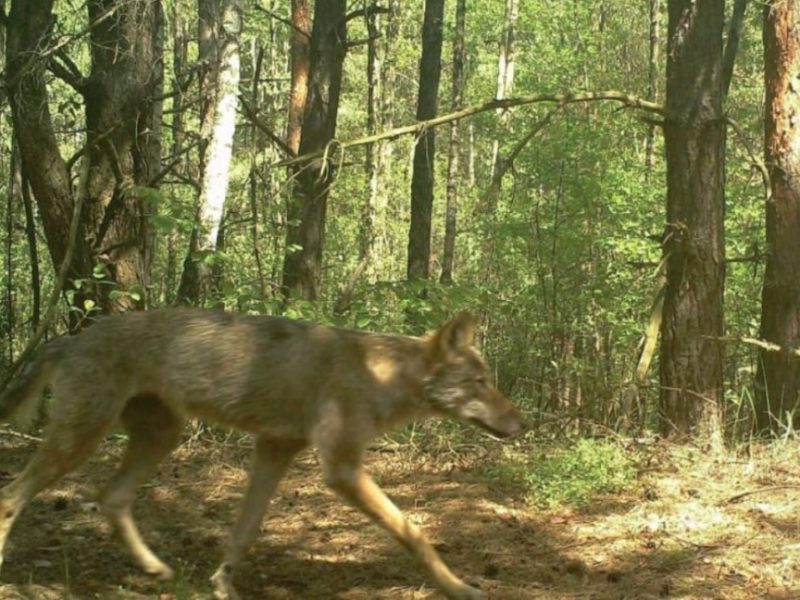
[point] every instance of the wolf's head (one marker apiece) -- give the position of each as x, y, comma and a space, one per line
459, 384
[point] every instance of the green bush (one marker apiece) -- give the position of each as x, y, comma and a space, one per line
568, 475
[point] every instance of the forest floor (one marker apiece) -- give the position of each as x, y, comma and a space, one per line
695, 526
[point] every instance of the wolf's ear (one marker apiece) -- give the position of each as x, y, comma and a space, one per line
456, 334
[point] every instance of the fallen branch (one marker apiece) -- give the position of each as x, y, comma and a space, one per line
735, 498
17, 434
628, 100
763, 344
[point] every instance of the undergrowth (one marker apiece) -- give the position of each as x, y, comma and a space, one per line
567, 474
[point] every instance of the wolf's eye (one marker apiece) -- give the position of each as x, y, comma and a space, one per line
480, 380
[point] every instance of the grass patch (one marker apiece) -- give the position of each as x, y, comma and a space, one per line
567, 475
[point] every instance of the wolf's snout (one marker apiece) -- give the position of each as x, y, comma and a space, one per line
513, 423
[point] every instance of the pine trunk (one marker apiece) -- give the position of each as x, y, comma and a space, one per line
422, 180
302, 267
691, 399
778, 376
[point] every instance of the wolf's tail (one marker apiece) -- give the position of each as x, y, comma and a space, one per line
19, 401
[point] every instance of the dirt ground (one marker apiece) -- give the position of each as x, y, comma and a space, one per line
696, 527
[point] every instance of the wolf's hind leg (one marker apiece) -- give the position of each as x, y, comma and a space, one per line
69, 439
154, 431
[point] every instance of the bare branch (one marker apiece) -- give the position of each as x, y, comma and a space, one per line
255, 119
281, 19
732, 45
755, 159
65, 74
366, 12
155, 179
628, 100
47, 53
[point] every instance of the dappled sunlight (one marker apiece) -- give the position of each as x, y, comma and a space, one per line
694, 527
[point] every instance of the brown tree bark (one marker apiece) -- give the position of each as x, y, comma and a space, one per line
8, 312
122, 140
778, 375
422, 179
28, 35
302, 267
179, 30
459, 55
691, 398
300, 51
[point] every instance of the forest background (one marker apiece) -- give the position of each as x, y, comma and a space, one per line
554, 211
612, 187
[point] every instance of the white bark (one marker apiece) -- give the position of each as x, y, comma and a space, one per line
215, 178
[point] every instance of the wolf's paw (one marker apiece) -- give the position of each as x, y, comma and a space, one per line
223, 587
159, 570
468, 593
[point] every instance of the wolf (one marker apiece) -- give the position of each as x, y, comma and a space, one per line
291, 384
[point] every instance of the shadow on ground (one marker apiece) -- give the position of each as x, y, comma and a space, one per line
312, 546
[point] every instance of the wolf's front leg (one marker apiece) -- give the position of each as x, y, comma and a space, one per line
358, 488
270, 462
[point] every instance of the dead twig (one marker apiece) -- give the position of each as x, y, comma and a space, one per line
773, 488
17, 434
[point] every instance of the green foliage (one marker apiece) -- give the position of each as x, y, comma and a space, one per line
561, 271
567, 475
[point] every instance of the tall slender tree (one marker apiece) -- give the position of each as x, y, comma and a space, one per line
219, 29
302, 266
372, 167
459, 55
778, 376
694, 133
430, 65
652, 78
506, 67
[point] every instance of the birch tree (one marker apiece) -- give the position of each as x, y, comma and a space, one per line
220, 25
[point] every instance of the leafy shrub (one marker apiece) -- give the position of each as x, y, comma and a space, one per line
568, 475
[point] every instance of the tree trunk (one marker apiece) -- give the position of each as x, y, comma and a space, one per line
372, 168
252, 176
123, 140
302, 267
430, 64
652, 81
691, 398
778, 376
300, 51
179, 155
220, 26
372, 164
387, 199
180, 45
505, 73
459, 55
28, 33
